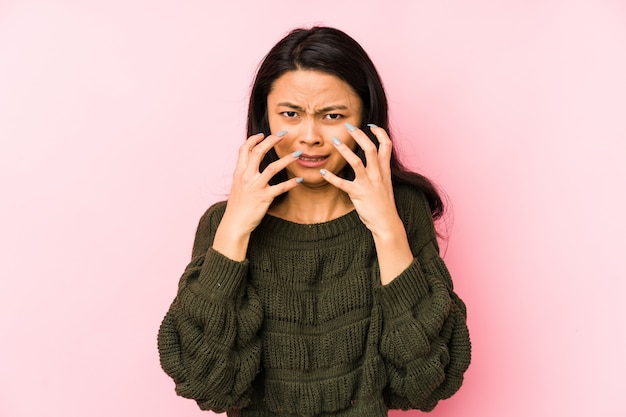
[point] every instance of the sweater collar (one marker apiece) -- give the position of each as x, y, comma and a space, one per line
298, 232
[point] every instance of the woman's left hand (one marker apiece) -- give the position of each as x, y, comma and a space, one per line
371, 192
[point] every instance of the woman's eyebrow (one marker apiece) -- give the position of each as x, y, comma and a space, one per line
301, 109
332, 108
290, 105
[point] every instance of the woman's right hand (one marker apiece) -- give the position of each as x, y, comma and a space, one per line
251, 195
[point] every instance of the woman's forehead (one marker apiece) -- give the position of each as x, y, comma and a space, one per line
312, 90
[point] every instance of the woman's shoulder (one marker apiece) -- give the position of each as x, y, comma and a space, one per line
207, 226
411, 201
214, 213
414, 210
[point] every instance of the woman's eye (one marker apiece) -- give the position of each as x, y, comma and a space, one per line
290, 114
334, 116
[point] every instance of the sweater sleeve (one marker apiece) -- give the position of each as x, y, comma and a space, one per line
425, 341
208, 341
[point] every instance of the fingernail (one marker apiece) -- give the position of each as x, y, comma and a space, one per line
336, 141
372, 125
299, 180
259, 134
296, 154
281, 133
350, 127
323, 171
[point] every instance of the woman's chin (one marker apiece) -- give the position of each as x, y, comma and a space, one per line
314, 180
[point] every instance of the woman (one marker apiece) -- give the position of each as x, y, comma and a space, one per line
317, 288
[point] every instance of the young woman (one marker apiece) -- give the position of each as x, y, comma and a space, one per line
317, 289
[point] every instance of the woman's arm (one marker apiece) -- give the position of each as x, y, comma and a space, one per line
208, 341
425, 342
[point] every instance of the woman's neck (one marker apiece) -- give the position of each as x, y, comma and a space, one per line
309, 206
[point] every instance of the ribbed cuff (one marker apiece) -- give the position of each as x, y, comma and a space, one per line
404, 292
220, 274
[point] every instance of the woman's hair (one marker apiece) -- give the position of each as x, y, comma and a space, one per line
332, 51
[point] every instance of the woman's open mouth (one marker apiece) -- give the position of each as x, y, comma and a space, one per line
312, 161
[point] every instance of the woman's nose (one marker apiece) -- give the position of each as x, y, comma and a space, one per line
310, 134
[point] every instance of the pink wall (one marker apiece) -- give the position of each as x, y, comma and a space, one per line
119, 124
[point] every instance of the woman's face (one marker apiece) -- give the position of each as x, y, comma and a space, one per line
312, 107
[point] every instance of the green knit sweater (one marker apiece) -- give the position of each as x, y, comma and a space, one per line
303, 326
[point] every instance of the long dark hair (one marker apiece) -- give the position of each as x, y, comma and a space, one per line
333, 52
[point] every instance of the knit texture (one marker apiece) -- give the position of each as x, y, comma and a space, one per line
303, 326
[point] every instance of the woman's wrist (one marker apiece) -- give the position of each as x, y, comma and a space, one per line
388, 228
231, 241
393, 250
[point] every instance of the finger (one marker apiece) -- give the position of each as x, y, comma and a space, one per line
244, 151
385, 147
283, 187
343, 185
278, 165
366, 144
252, 141
260, 149
351, 158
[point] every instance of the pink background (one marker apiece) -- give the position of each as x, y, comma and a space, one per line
119, 125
